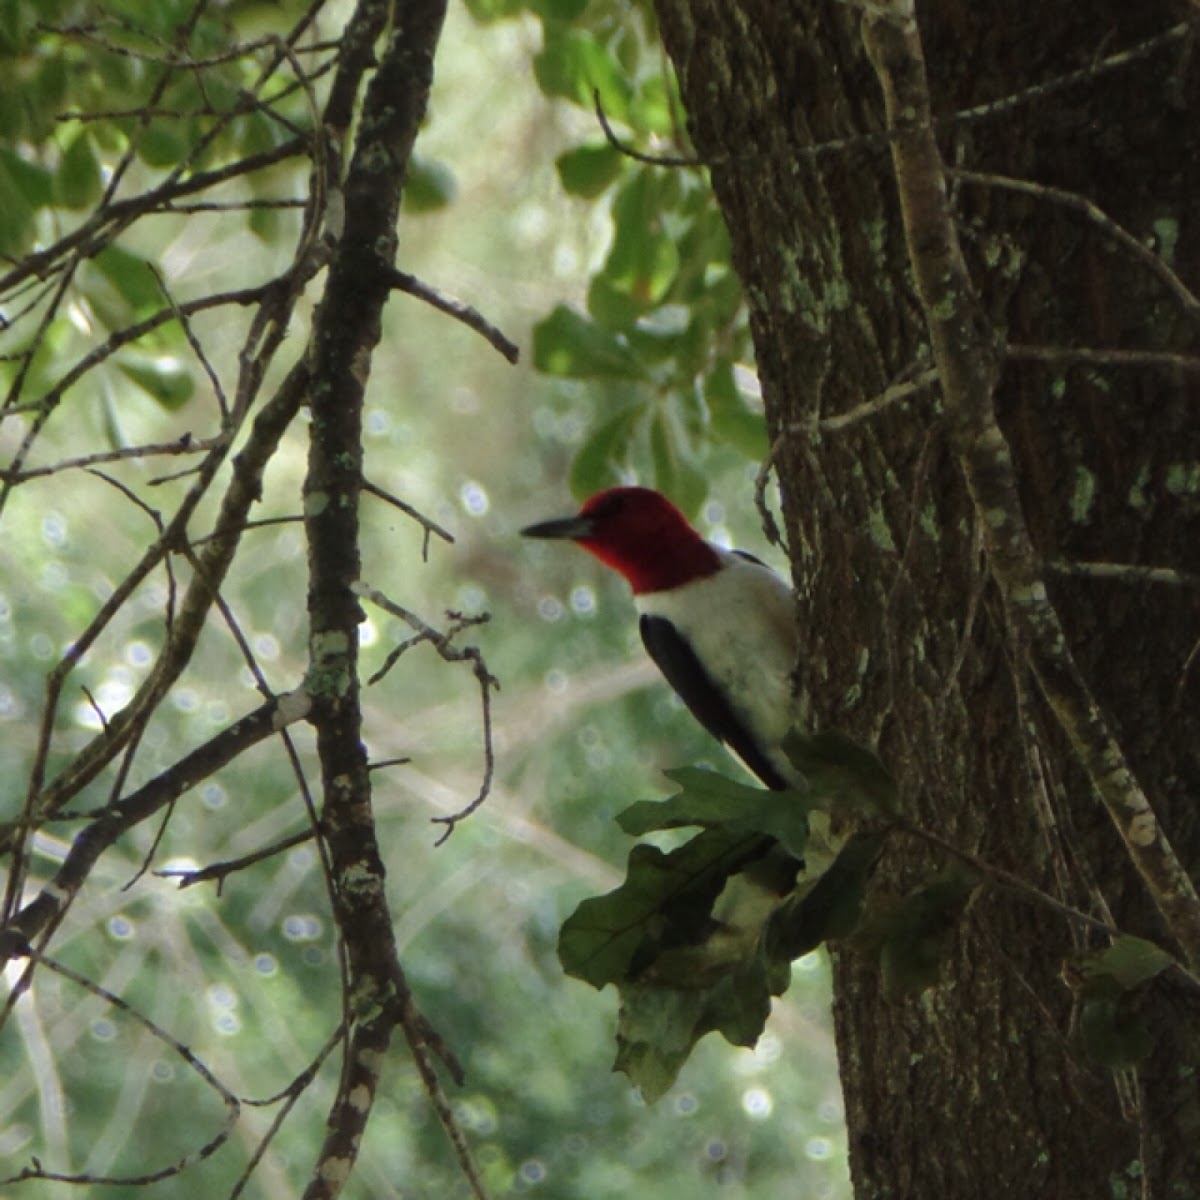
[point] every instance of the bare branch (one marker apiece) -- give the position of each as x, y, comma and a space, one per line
116, 819
241, 493
289, 1095
1009, 881
812, 430
185, 444
194, 342
346, 329
428, 525
231, 1102
219, 871
893, 395
876, 142
461, 312
102, 226
442, 643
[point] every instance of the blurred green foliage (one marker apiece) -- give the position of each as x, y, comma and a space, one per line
663, 316
100, 91
616, 273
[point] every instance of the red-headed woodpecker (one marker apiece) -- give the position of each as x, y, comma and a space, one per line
719, 624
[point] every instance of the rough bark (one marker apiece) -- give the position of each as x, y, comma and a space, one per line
980, 1088
346, 329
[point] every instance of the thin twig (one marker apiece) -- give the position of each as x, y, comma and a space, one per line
1126, 573
230, 1101
1009, 881
870, 408
103, 225
384, 763
115, 820
218, 206
893, 395
259, 523
442, 643
184, 444
1075, 355
219, 871
427, 524
882, 140
194, 343
461, 312
289, 1095
1097, 216
652, 160
96, 709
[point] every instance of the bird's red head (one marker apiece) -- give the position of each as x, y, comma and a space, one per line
640, 533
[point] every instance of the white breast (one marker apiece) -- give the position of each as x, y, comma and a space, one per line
741, 624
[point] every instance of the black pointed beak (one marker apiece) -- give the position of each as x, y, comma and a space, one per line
564, 527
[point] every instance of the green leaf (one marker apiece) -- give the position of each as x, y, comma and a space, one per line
698, 939
911, 937
644, 258
77, 182
574, 65
829, 906
676, 471
711, 801
656, 1032
566, 343
114, 434
486, 11
595, 466
34, 182
264, 224
658, 1027
684, 938
589, 170
49, 92
665, 902
658, 335
558, 10
16, 215
430, 186
1130, 961
732, 422
844, 776
1111, 1027
14, 32
650, 110
1111, 985
164, 379
162, 19
130, 274
611, 306
162, 143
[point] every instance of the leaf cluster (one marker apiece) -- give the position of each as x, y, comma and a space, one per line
700, 937
664, 324
1110, 988
128, 93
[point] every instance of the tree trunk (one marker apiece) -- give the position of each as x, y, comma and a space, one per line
980, 1086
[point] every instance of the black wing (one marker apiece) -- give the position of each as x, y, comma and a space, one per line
675, 658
